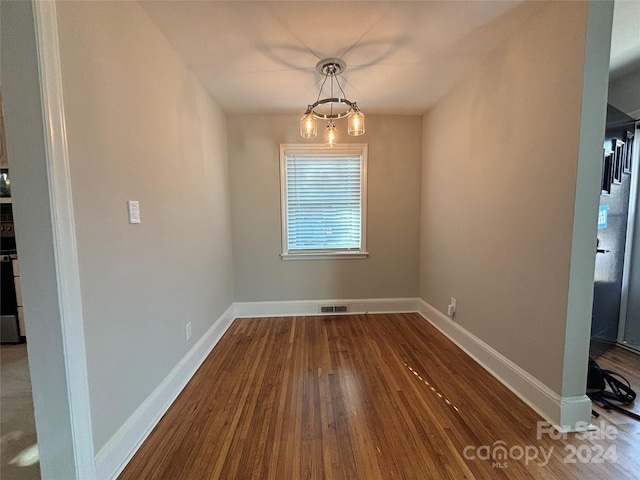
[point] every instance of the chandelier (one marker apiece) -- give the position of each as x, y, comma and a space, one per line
323, 109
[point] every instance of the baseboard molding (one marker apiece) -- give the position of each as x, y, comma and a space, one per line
116, 453
564, 413
311, 307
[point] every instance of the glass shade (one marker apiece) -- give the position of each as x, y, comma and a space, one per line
330, 135
308, 127
356, 123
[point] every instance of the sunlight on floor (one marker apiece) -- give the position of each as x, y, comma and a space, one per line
29, 456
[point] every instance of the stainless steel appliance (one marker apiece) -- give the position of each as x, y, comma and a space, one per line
9, 320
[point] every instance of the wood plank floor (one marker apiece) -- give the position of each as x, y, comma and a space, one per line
361, 397
627, 364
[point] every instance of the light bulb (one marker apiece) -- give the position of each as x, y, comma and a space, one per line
308, 127
356, 123
330, 135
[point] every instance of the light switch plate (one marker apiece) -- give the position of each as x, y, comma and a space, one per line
134, 211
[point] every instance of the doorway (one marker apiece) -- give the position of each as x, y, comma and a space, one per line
616, 308
19, 457
616, 222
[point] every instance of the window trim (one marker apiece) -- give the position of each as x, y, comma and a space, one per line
331, 254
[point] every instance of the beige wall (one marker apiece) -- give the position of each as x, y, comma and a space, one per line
499, 183
392, 225
140, 127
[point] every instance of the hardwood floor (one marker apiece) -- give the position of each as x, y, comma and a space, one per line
627, 364
361, 397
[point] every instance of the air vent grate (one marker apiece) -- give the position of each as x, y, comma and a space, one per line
333, 308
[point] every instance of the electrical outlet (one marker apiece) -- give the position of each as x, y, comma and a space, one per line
451, 308
188, 330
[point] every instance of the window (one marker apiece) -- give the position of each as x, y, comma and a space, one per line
324, 199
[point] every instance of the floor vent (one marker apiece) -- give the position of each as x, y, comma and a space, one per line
334, 309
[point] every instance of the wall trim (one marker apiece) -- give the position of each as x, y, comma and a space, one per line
310, 307
122, 446
567, 414
65, 250
118, 451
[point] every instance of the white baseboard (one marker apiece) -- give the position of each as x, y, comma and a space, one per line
116, 453
564, 413
311, 307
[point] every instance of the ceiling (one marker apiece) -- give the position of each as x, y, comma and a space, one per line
402, 56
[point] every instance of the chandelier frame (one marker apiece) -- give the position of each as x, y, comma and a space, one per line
330, 68
353, 107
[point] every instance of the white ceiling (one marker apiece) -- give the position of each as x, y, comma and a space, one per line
402, 56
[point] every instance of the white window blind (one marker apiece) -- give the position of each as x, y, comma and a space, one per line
323, 201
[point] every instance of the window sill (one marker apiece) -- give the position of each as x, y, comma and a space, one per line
324, 256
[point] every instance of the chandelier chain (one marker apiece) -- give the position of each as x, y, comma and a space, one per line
321, 87
344, 95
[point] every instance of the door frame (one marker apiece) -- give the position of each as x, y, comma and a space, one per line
64, 238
